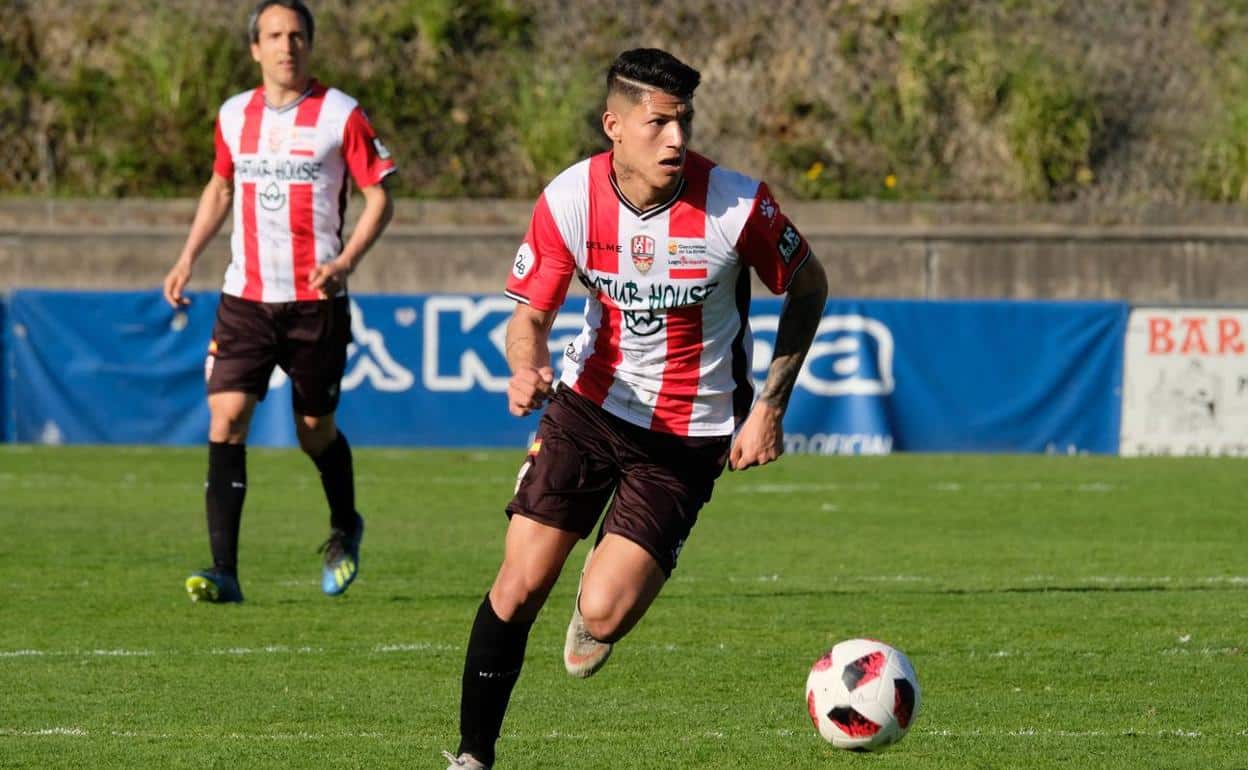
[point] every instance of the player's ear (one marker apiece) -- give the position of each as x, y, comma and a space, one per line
255, 52
612, 126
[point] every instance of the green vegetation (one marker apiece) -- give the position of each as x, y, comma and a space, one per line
453, 87
1060, 611
957, 73
1221, 173
911, 99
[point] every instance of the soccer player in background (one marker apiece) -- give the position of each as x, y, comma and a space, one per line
283, 153
642, 419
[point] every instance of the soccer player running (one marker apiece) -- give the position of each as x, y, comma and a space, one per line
283, 152
641, 421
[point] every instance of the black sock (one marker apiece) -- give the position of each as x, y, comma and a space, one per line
223, 500
338, 481
491, 668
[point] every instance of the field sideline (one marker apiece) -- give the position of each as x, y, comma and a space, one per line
1074, 612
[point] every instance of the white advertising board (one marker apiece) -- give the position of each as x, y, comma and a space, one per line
1185, 384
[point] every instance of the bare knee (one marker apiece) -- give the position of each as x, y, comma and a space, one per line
315, 434
230, 417
604, 615
227, 430
519, 593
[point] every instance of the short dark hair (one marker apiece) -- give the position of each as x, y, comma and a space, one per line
253, 22
654, 68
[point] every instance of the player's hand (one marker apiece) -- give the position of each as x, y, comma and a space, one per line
760, 440
328, 279
528, 389
175, 281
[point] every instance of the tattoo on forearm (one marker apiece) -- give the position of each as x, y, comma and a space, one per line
798, 322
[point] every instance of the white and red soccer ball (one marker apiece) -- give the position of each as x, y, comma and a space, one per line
862, 695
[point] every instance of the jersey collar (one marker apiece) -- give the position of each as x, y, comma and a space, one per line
313, 85
653, 211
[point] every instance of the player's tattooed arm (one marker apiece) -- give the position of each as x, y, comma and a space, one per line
761, 438
799, 319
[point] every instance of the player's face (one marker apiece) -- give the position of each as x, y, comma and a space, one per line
283, 48
652, 137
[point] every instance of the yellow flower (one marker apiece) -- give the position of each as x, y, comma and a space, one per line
815, 170
890, 181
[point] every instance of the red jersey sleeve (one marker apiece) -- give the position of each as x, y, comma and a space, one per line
367, 158
543, 266
770, 243
223, 165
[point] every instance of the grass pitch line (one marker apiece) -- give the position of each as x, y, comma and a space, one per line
1208, 652
78, 653
417, 647
791, 488
76, 732
272, 649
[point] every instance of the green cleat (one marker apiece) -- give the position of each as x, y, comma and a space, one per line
214, 587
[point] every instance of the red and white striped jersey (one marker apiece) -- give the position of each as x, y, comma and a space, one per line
289, 168
666, 343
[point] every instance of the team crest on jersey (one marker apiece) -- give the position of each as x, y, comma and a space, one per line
277, 137
642, 248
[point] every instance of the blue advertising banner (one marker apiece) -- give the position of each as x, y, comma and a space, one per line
121, 367
6, 369
958, 376
107, 367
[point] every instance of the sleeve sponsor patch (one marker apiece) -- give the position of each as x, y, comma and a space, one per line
523, 264
789, 243
382, 151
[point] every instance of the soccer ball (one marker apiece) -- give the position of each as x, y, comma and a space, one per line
862, 695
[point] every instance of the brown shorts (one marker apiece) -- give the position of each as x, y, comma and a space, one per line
586, 455
307, 339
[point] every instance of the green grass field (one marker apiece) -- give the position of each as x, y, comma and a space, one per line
1061, 612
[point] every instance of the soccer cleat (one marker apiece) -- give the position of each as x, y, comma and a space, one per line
213, 586
583, 655
464, 762
342, 559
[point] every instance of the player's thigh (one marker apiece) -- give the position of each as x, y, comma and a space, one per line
313, 352
243, 349
533, 557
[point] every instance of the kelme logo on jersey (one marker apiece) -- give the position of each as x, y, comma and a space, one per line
642, 248
768, 208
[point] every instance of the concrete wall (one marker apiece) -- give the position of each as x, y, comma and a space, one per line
1158, 255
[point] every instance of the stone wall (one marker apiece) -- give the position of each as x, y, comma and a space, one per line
1190, 254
